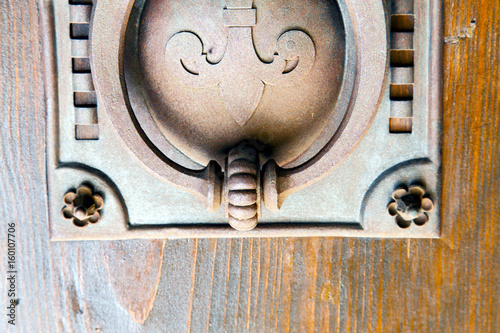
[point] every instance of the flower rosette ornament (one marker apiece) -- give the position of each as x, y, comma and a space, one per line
410, 205
82, 206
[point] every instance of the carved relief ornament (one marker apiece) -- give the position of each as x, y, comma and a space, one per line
241, 104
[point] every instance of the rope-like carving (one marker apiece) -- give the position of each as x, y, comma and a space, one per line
243, 187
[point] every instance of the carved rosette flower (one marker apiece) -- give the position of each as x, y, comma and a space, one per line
82, 207
410, 205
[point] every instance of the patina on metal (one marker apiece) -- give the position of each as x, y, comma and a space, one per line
243, 103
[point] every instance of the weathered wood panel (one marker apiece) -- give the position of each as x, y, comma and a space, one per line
256, 285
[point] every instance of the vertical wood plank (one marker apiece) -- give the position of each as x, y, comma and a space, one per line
134, 270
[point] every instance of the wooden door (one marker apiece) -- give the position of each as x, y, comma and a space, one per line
262, 285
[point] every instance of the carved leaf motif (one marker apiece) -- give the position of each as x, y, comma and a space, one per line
296, 55
189, 65
134, 271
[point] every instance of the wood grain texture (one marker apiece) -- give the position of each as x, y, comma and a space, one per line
270, 285
134, 285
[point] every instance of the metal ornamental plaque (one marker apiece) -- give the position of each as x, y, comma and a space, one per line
241, 118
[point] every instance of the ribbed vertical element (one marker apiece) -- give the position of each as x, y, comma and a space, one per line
242, 187
85, 99
402, 62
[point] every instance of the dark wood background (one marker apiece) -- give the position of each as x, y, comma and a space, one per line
298, 285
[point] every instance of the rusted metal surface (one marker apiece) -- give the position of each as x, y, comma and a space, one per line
303, 91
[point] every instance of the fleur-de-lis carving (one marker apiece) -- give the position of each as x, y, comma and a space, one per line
240, 75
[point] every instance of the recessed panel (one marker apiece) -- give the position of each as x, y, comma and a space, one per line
244, 118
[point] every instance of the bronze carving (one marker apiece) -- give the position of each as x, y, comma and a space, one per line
82, 206
242, 187
232, 83
243, 103
84, 95
250, 79
410, 205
